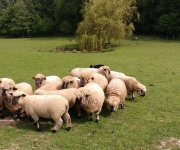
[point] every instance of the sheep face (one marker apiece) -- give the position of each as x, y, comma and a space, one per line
112, 104
105, 71
83, 80
16, 96
68, 83
82, 96
6, 93
140, 89
141, 92
39, 80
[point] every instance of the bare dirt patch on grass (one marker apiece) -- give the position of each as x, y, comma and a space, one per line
169, 144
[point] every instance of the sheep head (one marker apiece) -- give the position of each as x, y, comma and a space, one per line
141, 89
68, 82
39, 78
16, 96
105, 71
82, 96
85, 77
112, 103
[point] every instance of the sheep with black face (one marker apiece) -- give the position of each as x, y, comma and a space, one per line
91, 98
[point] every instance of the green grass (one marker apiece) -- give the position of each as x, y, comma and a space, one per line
143, 123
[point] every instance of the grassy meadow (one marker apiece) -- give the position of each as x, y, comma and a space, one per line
150, 122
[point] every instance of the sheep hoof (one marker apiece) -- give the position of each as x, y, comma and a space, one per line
97, 121
122, 106
90, 119
68, 128
54, 131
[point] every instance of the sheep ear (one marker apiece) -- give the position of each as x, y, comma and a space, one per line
23, 95
33, 78
0, 80
44, 78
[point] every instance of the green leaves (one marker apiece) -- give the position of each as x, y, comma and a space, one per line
105, 20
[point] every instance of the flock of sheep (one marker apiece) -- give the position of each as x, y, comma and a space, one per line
83, 89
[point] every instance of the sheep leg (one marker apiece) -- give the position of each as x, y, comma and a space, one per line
22, 115
78, 110
67, 118
90, 117
122, 106
57, 125
97, 116
131, 96
38, 126
1, 115
15, 116
36, 122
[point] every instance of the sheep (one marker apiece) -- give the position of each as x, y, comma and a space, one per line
70, 82
76, 72
88, 77
96, 66
45, 106
116, 93
16, 109
133, 85
91, 98
4, 83
67, 93
50, 82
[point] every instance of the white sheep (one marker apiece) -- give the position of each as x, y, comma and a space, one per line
76, 72
49, 82
116, 93
16, 109
4, 83
70, 82
88, 77
45, 106
67, 93
91, 98
133, 85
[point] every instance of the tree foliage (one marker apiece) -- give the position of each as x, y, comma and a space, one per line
103, 21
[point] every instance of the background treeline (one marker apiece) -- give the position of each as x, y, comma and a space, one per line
61, 17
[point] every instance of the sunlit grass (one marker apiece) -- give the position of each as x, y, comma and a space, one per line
142, 124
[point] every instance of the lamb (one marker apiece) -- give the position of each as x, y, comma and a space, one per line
67, 93
133, 85
116, 93
76, 72
45, 106
4, 82
70, 82
88, 77
91, 98
16, 109
50, 82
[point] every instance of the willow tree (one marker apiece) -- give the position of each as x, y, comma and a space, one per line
105, 20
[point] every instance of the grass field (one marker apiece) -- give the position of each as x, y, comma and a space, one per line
150, 122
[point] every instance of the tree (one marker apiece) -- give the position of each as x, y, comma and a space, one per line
105, 20
67, 12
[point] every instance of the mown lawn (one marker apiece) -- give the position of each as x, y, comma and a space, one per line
144, 122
